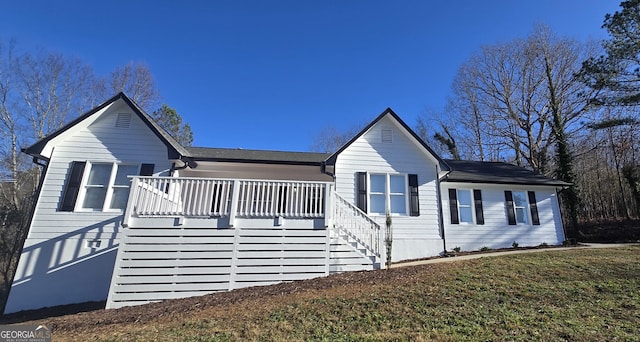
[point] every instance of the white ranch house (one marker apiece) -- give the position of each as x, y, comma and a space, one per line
126, 214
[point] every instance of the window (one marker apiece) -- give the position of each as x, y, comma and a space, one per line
463, 203
520, 207
521, 204
99, 186
392, 193
464, 206
121, 186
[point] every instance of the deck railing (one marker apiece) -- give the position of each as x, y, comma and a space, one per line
205, 197
349, 220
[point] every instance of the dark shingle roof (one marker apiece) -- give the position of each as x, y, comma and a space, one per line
256, 156
467, 171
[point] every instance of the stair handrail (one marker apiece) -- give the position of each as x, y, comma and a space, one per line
350, 220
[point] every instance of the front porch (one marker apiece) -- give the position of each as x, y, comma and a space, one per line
191, 236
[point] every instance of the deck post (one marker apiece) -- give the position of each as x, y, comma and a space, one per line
382, 247
328, 205
235, 197
133, 193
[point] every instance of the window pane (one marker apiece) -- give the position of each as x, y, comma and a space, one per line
464, 197
521, 215
397, 185
119, 198
377, 183
123, 172
99, 174
465, 215
94, 198
398, 204
376, 204
519, 199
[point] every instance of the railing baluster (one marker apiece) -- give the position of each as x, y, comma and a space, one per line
169, 196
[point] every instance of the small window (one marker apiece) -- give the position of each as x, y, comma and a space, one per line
397, 194
96, 186
377, 194
520, 206
464, 206
121, 186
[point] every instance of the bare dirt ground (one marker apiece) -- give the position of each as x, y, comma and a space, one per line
79, 317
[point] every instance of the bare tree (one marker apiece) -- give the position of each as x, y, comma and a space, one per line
136, 80
38, 94
52, 87
330, 138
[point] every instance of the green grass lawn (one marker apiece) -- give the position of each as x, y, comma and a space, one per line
577, 295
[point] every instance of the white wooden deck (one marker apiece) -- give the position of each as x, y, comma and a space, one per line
247, 233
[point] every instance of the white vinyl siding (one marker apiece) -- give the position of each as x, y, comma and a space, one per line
413, 236
57, 240
496, 231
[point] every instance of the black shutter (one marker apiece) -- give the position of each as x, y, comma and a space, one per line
74, 180
414, 206
361, 200
511, 214
146, 169
477, 200
453, 206
534, 208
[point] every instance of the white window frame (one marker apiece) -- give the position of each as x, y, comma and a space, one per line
527, 210
470, 206
106, 205
387, 193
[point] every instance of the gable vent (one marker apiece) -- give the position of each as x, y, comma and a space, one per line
124, 120
387, 135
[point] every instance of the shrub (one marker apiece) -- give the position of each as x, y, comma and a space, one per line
514, 245
457, 249
484, 249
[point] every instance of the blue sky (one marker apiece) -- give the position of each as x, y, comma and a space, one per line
271, 74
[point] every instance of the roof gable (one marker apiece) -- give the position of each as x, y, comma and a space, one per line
404, 127
42, 148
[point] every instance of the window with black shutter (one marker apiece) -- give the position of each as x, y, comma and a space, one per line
511, 214
361, 201
453, 206
533, 206
414, 205
70, 194
477, 200
147, 169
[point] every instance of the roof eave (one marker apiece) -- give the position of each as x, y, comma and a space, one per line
476, 181
259, 161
